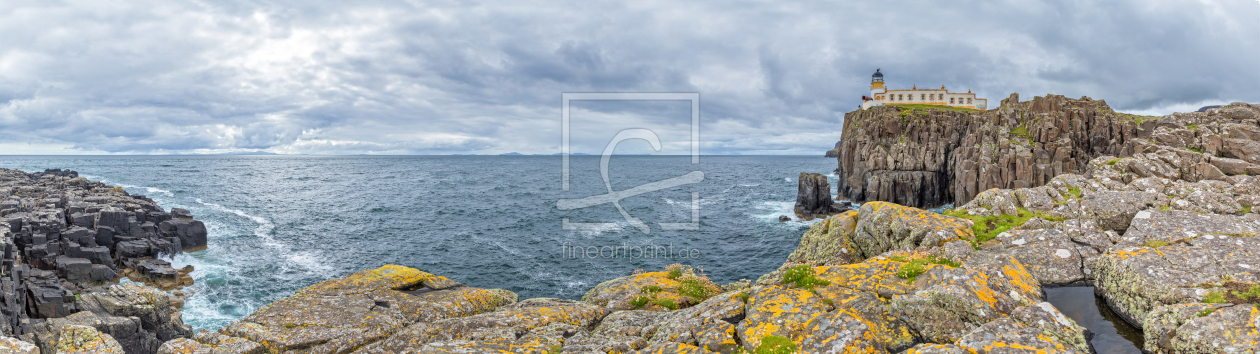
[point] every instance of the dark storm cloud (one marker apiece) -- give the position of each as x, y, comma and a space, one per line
486, 77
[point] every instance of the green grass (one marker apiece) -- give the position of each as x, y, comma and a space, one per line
666, 303
1205, 312
1074, 192
1021, 131
640, 301
1155, 243
1246, 210
695, 288
1214, 297
929, 106
803, 277
1195, 150
1193, 127
1165, 208
1251, 293
916, 266
651, 289
1113, 162
987, 227
743, 296
775, 345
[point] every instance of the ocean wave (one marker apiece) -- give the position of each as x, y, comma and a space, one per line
263, 231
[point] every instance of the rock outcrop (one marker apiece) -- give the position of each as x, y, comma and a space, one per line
65, 240
813, 197
930, 157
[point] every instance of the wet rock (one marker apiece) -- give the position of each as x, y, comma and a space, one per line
783, 218
1136, 279
813, 196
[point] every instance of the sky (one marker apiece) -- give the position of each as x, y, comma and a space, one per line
487, 77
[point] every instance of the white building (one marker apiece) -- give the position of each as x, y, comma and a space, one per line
940, 97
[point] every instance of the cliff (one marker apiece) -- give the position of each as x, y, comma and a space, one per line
927, 156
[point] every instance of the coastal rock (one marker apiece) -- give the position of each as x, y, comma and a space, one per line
813, 197
1051, 256
151, 306
1006, 336
1136, 279
655, 291
927, 348
829, 242
15, 346
872, 311
86, 340
507, 328
344, 314
778, 311
127, 331
948, 302
883, 227
1047, 319
838, 331
1202, 328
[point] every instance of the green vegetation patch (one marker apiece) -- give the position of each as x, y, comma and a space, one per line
918, 264
932, 106
987, 227
1214, 297
1205, 312
803, 277
666, 303
775, 345
1234, 292
1195, 150
640, 301
1193, 127
1112, 162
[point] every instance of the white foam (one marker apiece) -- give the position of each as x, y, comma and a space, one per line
263, 231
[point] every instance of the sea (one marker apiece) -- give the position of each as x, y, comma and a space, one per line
280, 223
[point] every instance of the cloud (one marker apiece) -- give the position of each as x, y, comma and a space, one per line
444, 77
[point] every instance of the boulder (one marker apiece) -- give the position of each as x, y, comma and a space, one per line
1113, 210
151, 306
10, 345
1136, 279
813, 196
839, 331
778, 311
1005, 335
364, 307
883, 227
86, 340
1051, 256
1202, 328
829, 242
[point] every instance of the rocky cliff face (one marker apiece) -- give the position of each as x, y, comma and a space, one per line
927, 157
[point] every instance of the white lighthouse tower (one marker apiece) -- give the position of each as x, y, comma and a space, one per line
877, 90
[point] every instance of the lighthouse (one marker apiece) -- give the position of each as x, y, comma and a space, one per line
881, 95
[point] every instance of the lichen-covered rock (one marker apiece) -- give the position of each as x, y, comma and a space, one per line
127, 331
1174, 226
894, 335
153, 307
877, 275
1113, 210
709, 325
1051, 256
928, 348
1136, 279
1202, 328
506, 326
883, 227
86, 340
1046, 318
184, 346
951, 302
223, 344
778, 311
620, 293
10, 345
1008, 336
344, 314
839, 331
829, 242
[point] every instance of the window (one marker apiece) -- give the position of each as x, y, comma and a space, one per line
899, 97
922, 96
968, 101
951, 100
911, 97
